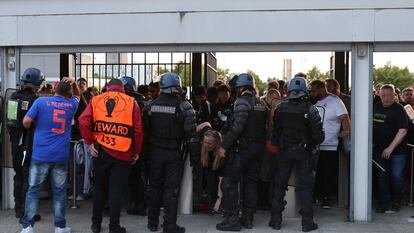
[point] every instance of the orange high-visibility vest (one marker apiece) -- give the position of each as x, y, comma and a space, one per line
112, 118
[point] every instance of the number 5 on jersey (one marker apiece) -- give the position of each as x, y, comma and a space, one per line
61, 121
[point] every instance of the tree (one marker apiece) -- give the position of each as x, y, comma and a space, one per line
259, 83
180, 68
315, 74
223, 74
399, 77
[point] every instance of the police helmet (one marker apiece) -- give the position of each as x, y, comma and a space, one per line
32, 77
244, 80
170, 83
129, 83
232, 81
297, 88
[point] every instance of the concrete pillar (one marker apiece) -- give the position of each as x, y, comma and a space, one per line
10, 62
64, 65
341, 70
210, 68
196, 71
361, 153
340, 73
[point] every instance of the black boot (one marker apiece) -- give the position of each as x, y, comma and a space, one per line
276, 221
153, 224
308, 225
152, 227
96, 228
247, 221
117, 229
231, 223
153, 220
173, 228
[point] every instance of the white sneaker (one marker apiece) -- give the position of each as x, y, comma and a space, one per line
28, 229
63, 230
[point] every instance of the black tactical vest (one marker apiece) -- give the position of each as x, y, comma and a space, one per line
21, 100
293, 123
255, 130
167, 131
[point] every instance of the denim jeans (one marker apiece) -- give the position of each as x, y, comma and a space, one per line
390, 182
37, 175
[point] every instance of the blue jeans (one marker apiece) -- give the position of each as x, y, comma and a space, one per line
391, 181
37, 175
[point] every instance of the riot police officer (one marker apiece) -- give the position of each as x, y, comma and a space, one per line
131, 90
297, 131
136, 186
22, 139
243, 147
169, 122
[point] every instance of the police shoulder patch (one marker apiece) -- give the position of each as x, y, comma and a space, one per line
259, 107
163, 109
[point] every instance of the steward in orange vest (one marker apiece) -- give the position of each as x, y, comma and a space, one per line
112, 117
112, 120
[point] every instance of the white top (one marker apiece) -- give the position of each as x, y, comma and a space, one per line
331, 108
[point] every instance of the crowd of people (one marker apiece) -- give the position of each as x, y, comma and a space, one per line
242, 146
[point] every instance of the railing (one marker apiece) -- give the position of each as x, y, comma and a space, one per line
410, 202
74, 204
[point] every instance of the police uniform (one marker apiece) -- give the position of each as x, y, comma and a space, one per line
21, 138
136, 186
168, 121
244, 137
21, 144
297, 131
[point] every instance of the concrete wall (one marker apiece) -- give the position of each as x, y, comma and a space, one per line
48, 63
193, 22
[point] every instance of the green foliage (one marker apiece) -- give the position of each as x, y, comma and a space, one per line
180, 68
315, 74
259, 83
223, 74
399, 77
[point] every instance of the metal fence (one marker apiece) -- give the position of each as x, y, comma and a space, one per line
98, 68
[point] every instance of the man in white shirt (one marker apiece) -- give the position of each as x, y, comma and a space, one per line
335, 124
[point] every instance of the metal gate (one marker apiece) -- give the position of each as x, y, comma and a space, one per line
98, 68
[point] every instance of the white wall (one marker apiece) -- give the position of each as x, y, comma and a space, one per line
178, 22
48, 63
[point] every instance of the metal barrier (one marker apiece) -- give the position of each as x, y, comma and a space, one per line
74, 191
410, 203
185, 202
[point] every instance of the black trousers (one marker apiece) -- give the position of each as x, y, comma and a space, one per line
211, 179
286, 159
20, 179
246, 162
136, 186
111, 178
327, 174
166, 171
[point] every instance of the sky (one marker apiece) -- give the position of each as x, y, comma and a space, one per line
271, 64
